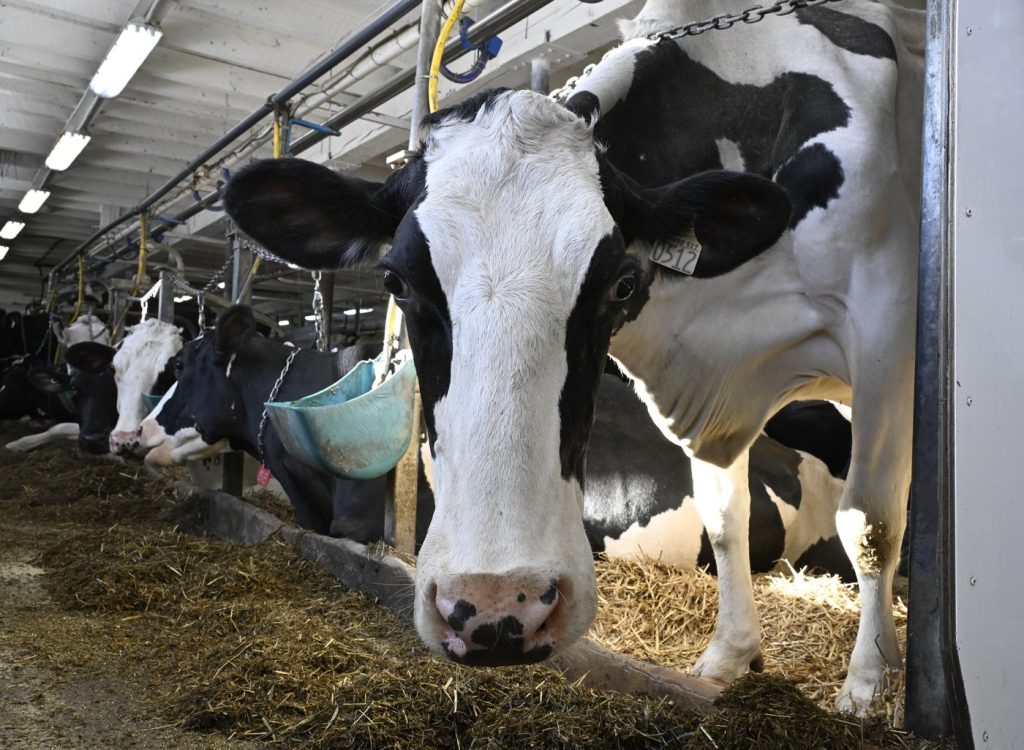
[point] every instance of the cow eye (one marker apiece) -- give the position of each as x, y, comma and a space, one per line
623, 288
394, 285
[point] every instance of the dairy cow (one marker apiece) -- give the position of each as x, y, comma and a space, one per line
143, 365
732, 216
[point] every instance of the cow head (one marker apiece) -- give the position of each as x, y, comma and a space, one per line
205, 403
517, 252
140, 360
89, 387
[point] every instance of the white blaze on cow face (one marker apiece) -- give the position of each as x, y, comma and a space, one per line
513, 214
137, 364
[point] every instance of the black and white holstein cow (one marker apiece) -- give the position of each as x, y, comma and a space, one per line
733, 217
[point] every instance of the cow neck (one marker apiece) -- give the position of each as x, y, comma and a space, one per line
310, 371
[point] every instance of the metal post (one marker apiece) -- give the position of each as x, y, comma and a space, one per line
237, 272
540, 76
165, 310
403, 490
430, 29
327, 295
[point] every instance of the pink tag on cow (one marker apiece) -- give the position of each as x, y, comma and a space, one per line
262, 475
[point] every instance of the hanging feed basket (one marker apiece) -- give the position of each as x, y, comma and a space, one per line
351, 429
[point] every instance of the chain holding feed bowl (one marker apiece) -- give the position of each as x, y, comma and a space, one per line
361, 426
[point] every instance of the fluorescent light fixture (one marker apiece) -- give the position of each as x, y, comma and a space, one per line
362, 311
131, 49
32, 201
3, 251
67, 149
182, 298
284, 322
11, 229
310, 318
220, 284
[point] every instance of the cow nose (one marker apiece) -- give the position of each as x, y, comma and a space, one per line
491, 620
123, 441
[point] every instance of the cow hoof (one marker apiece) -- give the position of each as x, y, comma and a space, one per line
724, 663
858, 695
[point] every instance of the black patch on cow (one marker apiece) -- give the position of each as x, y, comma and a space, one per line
460, 615
849, 32
667, 125
466, 110
585, 105
776, 466
589, 329
502, 643
817, 428
828, 556
812, 178
427, 316
549, 596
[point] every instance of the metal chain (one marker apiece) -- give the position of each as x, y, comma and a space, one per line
200, 294
273, 397
721, 22
144, 300
318, 312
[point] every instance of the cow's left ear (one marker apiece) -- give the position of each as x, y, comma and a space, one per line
90, 356
735, 216
235, 326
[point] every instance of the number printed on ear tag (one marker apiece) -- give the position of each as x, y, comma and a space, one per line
680, 255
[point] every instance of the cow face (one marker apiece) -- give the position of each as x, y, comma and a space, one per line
510, 261
143, 355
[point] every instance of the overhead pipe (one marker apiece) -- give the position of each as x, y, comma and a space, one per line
502, 18
339, 55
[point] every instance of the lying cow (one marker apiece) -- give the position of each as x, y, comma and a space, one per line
639, 491
733, 216
89, 387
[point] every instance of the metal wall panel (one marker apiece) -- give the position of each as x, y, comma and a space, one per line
988, 350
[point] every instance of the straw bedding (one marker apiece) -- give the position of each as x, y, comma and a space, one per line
260, 644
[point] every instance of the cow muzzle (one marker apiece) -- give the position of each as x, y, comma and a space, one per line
488, 620
97, 445
125, 441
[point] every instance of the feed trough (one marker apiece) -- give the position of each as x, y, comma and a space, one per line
351, 428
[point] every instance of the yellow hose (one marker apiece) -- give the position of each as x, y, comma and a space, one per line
435, 61
140, 272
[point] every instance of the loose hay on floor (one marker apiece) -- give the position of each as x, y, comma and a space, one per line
809, 623
259, 643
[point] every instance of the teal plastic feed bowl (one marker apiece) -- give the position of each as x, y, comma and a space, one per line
151, 400
350, 429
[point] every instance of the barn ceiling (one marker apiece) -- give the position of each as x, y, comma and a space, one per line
217, 62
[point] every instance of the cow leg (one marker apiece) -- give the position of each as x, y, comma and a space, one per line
870, 521
722, 497
61, 431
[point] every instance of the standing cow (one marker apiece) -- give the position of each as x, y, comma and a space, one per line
733, 217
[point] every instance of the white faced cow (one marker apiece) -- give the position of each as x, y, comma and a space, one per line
773, 170
141, 360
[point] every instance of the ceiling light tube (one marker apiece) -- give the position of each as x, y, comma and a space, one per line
11, 229
3, 251
131, 49
66, 150
33, 200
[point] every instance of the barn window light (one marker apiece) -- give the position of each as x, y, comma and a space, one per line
67, 149
11, 229
361, 311
284, 322
3, 251
32, 201
131, 49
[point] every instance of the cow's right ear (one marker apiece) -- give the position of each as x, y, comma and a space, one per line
235, 326
90, 356
316, 218
48, 380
